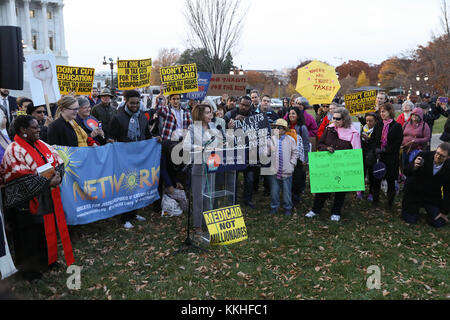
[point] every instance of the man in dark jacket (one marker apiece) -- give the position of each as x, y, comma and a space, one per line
9, 105
428, 186
104, 111
128, 125
239, 113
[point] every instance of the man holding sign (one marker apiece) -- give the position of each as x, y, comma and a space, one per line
340, 135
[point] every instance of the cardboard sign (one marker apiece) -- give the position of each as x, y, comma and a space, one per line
134, 74
361, 102
75, 79
43, 79
180, 79
226, 225
233, 85
340, 171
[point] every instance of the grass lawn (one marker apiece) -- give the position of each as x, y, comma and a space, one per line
283, 258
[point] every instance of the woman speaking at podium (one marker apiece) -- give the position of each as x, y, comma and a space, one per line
199, 138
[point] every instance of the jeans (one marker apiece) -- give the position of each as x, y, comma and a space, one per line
249, 180
410, 214
275, 187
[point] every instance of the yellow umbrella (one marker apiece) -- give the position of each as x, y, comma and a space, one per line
317, 82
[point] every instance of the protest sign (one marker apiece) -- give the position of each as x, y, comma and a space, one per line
340, 171
179, 79
317, 82
75, 79
105, 181
233, 85
43, 79
132, 74
204, 79
361, 102
226, 225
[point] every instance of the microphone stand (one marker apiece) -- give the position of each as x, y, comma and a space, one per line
188, 244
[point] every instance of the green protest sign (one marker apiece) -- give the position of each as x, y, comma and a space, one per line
340, 171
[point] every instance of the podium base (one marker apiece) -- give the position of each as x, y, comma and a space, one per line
188, 245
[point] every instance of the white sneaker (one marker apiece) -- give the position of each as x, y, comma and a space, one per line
140, 218
335, 217
128, 225
310, 214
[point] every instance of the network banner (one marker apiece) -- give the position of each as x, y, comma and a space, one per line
105, 181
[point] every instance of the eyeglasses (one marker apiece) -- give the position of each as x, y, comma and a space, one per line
245, 105
40, 112
73, 109
440, 155
337, 119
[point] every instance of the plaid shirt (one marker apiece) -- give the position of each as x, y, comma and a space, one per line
169, 121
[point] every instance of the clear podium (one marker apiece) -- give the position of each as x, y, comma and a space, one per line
216, 178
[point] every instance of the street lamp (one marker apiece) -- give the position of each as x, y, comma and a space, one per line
237, 71
111, 65
425, 79
279, 89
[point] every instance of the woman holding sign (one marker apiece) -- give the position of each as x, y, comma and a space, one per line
339, 135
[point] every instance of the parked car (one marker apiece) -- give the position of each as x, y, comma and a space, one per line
276, 103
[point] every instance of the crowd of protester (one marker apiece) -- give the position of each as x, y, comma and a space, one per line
395, 149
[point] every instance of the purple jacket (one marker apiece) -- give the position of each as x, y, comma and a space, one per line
310, 123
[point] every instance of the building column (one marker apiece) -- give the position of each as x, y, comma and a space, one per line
26, 31
11, 18
61, 32
44, 40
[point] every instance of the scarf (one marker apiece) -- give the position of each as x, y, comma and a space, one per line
82, 136
134, 130
385, 132
349, 134
22, 159
367, 130
406, 115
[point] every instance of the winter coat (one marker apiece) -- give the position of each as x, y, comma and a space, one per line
420, 133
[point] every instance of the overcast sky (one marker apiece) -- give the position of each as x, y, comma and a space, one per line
277, 33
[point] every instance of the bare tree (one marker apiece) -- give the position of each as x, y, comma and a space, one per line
166, 58
445, 17
215, 25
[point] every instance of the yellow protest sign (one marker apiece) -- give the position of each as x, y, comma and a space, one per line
361, 102
132, 74
180, 79
317, 82
226, 225
75, 79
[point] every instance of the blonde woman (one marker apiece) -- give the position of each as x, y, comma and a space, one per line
65, 131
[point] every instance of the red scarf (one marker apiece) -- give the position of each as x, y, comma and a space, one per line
49, 219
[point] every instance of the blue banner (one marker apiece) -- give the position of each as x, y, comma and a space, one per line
105, 181
204, 79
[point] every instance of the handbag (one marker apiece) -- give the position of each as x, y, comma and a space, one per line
379, 170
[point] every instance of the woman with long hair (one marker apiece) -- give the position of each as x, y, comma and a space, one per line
296, 122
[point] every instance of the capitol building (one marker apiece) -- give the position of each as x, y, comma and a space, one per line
42, 25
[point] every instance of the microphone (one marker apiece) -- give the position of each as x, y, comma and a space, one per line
219, 127
207, 143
